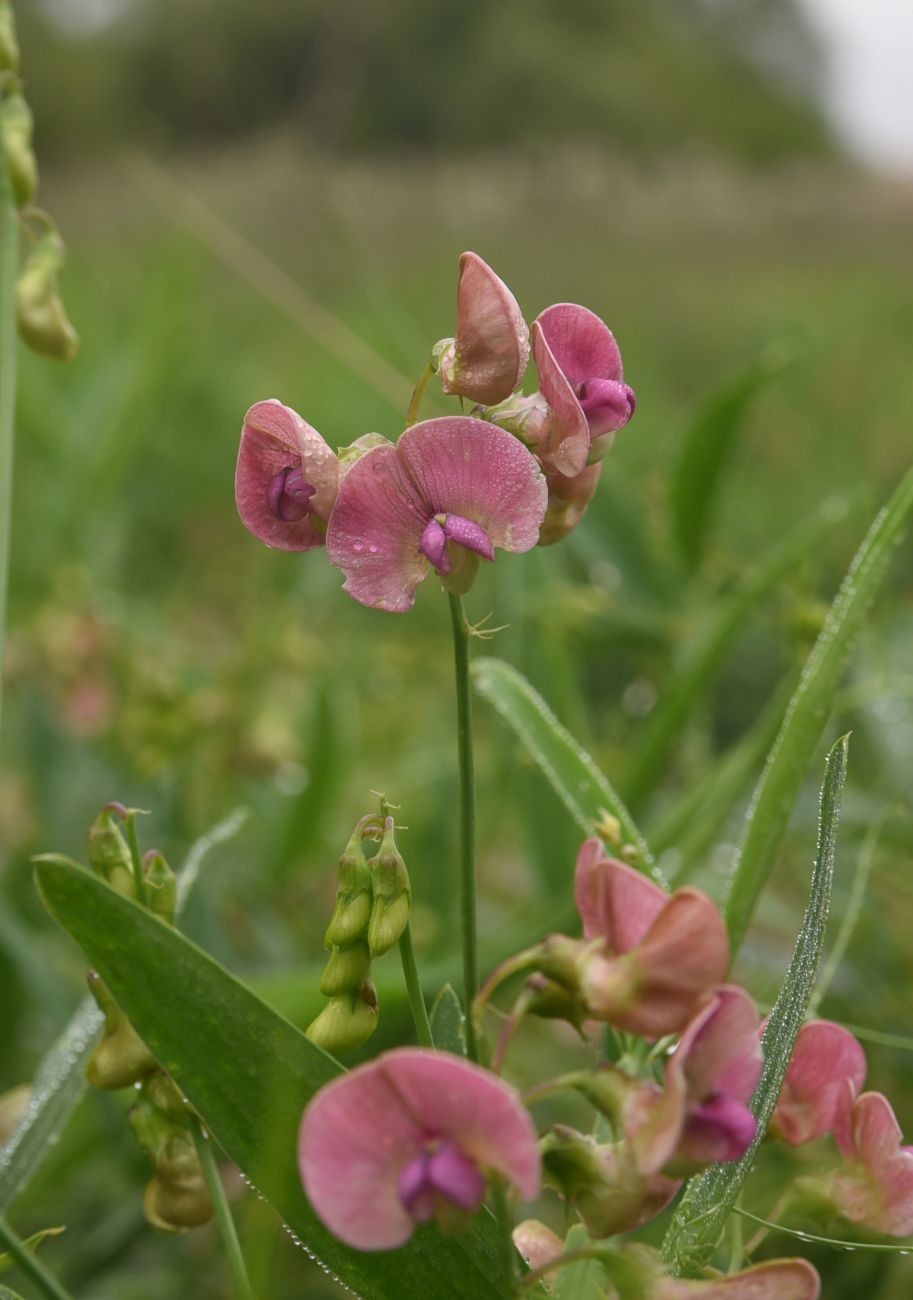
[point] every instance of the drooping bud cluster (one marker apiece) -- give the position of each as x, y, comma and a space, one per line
176, 1197
42, 318
373, 901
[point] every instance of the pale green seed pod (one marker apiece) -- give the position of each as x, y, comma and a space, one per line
121, 1057
9, 45
346, 1022
347, 969
16, 125
41, 315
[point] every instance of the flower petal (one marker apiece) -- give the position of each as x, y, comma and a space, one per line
565, 441
615, 902
582, 344
376, 530
723, 1054
492, 341
778, 1279
825, 1057
568, 499
471, 468
608, 405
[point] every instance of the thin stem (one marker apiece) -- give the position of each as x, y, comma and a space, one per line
561, 1261
226, 1223
136, 858
417, 394
561, 1083
506, 1238
9, 263
467, 820
414, 989
29, 1263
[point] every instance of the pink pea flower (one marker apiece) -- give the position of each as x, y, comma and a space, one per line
568, 499
489, 356
446, 495
286, 480
661, 953
825, 1059
875, 1186
580, 378
411, 1136
701, 1116
777, 1279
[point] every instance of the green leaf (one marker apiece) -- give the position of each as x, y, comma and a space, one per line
808, 711
32, 1243
700, 1219
700, 661
586, 1278
7, 1294
573, 775
706, 447
60, 1080
447, 1022
249, 1074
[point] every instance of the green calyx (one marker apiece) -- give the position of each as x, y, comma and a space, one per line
121, 1057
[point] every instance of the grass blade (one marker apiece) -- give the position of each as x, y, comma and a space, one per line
807, 714
701, 1216
570, 770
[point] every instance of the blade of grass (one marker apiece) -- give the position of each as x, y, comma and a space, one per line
803, 725
700, 1219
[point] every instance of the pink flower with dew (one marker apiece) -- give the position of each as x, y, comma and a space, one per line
568, 499
445, 496
661, 953
286, 479
488, 358
875, 1186
580, 377
777, 1279
825, 1059
701, 1116
411, 1136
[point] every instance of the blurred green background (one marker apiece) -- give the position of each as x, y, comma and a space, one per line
242, 187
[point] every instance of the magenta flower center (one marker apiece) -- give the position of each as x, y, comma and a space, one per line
289, 494
440, 1173
445, 528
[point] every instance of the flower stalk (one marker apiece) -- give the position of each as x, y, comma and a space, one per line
9, 262
414, 989
226, 1223
468, 924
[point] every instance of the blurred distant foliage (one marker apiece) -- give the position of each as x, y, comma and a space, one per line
648, 77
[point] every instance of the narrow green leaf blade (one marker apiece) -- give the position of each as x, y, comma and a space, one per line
31, 1243
249, 1074
570, 770
701, 1216
808, 711
447, 1028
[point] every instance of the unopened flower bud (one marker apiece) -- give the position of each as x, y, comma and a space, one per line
347, 969
177, 1197
13, 1105
568, 499
392, 894
109, 854
355, 450
43, 321
16, 128
9, 46
353, 895
121, 1058
161, 886
346, 1022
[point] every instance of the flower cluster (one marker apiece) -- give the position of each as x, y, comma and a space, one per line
517, 471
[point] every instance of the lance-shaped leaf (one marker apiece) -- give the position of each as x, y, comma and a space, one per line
575, 778
701, 1216
808, 711
249, 1074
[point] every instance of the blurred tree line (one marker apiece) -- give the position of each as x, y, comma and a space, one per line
646, 76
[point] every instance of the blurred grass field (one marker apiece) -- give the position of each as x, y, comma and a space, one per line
160, 656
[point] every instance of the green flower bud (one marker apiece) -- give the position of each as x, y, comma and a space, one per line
16, 124
42, 318
353, 896
347, 969
9, 46
165, 1096
161, 886
13, 1105
346, 1022
392, 894
109, 854
121, 1058
176, 1198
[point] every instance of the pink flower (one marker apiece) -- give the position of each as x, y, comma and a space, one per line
825, 1059
568, 499
875, 1187
447, 494
488, 357
409, 1137
701, 1116
580, 377
661, 953
286, 480
777, 1279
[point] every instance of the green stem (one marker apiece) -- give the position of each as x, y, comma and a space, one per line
226, 1223
9, 263
417, 394
506, 1238
467, 820
136, 859
414, 989
30, 1265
